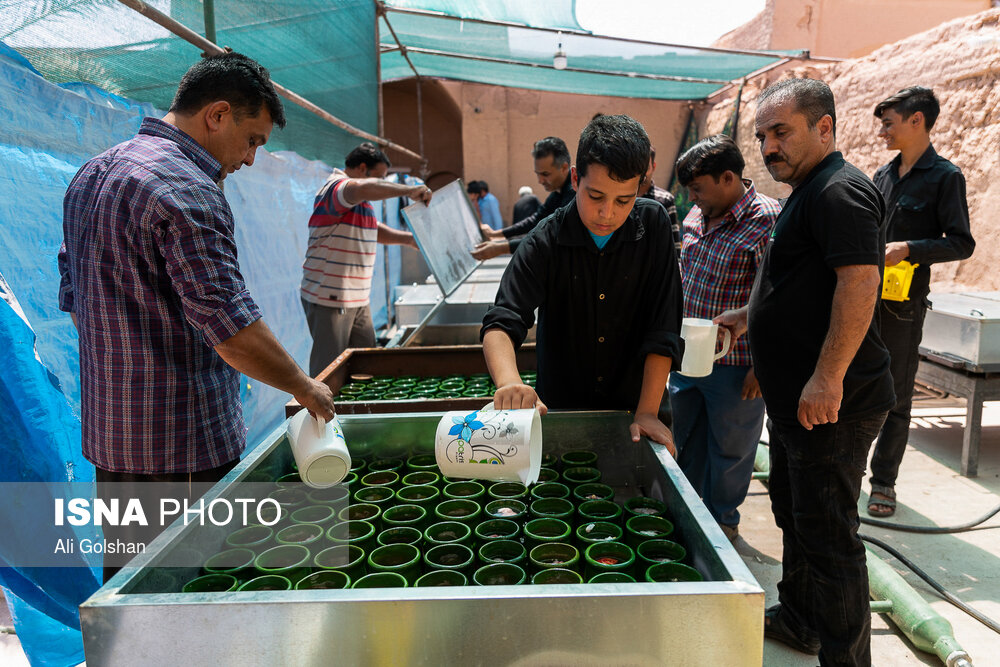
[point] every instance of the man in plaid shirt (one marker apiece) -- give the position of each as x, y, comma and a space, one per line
718, 418
150, 277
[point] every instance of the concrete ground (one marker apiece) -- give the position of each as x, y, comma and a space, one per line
930, 492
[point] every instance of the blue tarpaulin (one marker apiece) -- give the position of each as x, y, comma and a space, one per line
47, 132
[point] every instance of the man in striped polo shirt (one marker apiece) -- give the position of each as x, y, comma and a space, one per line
718, 418
343, 231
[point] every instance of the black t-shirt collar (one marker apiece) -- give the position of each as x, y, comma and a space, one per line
834, 158
926, 161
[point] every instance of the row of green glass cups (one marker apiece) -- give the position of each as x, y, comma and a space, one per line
414, 387
288, 566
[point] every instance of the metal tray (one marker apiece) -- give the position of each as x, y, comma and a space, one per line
421, 361
716, 622
964, 328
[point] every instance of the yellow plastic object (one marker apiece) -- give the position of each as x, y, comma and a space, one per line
896, 281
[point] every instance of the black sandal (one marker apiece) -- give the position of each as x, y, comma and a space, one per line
776, 628
886, 505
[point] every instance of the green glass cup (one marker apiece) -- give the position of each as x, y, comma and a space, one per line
254, 537
593, 491
501, 551
508, 490
424, 495
383, 496
362, 512
556, 575
500, 574
422, 462
381, 580
306, 534
577, 458
507, 508
290, 481
447, 532
612, 578
386, 464
641, 528
549, 490
212, 583
369, 396
552, 508
268, 582
347, 558
421, 478
387, 478
464, 511
553, 555
321, 515
442, 578
359, 465
400, 535
288, 498
654, 552
497, 529
395, 395
594, 532
580, 475
599, 510
540, 531
546, 475
449, 557
358, 533
403, 559
235, 562
286, 560
670, 572
337, 496
464, 490
550, 461
413, 516
608, 557
642, 506
326, 580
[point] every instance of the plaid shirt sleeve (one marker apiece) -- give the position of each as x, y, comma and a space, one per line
198, 244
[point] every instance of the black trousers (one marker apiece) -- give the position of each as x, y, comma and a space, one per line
149, 489
902, 328
814, 487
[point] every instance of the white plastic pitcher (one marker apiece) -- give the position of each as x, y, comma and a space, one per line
319, 449
499, 445
700, 338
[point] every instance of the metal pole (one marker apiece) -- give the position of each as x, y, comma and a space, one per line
209, 7
525, 63
211, 48
802, 55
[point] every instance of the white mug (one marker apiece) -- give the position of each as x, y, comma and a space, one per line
700, 337
319, 449
502, 445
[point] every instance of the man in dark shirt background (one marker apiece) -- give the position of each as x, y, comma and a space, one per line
527, 203
552, 165
649, 190
822, 369
602, 273
927, 223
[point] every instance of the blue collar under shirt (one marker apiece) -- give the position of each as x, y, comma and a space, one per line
601, 241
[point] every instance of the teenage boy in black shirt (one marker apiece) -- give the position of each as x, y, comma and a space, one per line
822, 369
603, 275
927, 223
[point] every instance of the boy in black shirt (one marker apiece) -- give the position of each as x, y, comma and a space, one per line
927, 222
603, 274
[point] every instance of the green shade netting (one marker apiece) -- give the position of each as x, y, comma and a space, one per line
322, 50
537, 47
